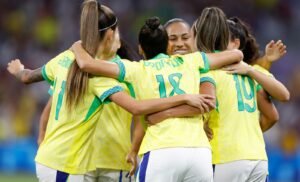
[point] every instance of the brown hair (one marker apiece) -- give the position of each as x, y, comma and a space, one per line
95, 20
211, 30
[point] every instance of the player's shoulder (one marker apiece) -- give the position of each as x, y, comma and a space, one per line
262, 70
64, 59
103, 80
67, 54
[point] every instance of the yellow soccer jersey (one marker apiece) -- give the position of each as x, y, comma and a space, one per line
235, 121
165, 76
67, 145
262, 70
112, 137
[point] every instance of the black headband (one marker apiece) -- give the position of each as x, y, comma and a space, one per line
108, 27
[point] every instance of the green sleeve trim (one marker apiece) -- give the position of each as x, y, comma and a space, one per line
208, 79
122, 76
50, 91
95, 105
258, 87
44, 74
206, 63
122, 70
104, 97
131, 89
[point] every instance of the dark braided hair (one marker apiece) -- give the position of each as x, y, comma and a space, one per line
153, 38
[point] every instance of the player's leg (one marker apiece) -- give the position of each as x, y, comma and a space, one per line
109, 175
45, 174
237, 171
88, 177
163, 165
259, 172
200, 169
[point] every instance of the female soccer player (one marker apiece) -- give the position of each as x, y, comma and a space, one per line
181, 40
238, 145
67, 149
274, 51
166, 76
221, 128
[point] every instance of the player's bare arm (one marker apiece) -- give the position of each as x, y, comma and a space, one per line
27, 76
275, 88
273, 52
268, 112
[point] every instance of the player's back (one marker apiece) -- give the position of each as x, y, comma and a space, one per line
67, 145
112, 139
165, 76
235, 122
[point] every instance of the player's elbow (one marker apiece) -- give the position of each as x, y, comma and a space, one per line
273, 119
82, 65
135, 110
285, 97
238, 55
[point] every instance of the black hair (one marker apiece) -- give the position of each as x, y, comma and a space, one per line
127, 52
106, 20
153, 38
240, 30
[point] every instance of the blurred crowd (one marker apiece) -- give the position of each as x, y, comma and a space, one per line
37, 30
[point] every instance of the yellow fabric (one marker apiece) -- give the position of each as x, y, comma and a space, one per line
235, 122
112, 137
67, 145
263, 70
165, 76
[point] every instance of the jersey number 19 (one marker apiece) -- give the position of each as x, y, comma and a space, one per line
243, 93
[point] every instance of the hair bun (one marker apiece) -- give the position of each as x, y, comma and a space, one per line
153, 22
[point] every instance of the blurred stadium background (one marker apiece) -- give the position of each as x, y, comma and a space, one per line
37, 30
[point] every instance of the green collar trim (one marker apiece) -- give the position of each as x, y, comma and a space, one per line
161, 55
117, 57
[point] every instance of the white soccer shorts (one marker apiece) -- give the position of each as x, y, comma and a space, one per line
176, 165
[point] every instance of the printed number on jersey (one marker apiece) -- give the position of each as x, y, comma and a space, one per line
174, 80
244, 95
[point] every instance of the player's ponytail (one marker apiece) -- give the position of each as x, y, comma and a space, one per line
211, 30
77, 80
94, 22
153, 38
240, 30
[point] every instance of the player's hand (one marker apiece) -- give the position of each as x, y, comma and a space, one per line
240, 68
274, 51
76, 45
132, 158
14, 67
202, 101
208, 131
